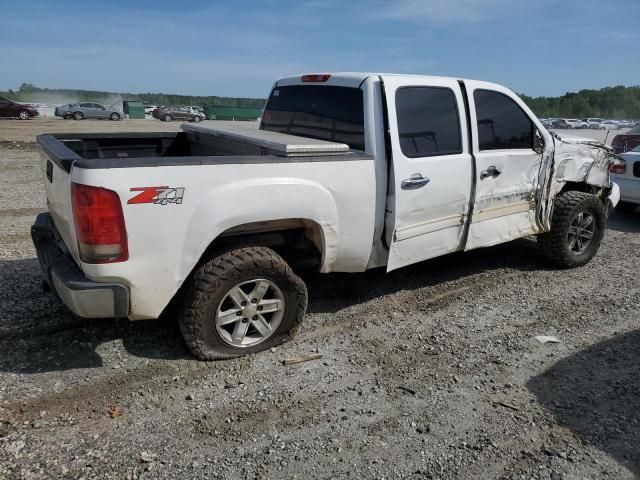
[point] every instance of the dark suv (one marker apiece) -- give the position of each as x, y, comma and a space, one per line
9, 108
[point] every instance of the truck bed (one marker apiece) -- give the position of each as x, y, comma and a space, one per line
197, 145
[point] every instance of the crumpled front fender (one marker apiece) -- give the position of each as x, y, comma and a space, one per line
576, 161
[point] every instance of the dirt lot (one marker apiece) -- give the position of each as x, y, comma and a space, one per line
428, 372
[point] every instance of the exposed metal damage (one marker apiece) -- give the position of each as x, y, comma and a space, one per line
574, 160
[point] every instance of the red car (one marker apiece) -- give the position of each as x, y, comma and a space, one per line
9, 108
627, 141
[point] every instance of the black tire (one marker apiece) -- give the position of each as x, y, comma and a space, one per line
167, 118
24, 115
114, 116
208, 288
78, 116
626, 207
555, 243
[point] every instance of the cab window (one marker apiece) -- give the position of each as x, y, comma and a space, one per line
502, 124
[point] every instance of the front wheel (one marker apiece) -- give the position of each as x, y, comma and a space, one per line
167, 118
24, 115
241, 302
78, 116
114, 116
196, 118
577, 227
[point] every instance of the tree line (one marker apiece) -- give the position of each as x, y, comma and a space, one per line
622, 103
611, 102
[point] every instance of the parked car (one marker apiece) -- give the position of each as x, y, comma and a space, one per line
347, 172
625, 142
23, 111
576, 123
80, 111
148, 109
611, 125
168, 114
627, 176
560, 123
594, 123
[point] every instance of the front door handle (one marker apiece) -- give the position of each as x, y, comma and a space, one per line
416, 181
492, 172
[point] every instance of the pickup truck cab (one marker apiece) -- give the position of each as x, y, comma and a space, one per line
346, 172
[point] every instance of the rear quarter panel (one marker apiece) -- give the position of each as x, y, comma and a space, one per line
167, 241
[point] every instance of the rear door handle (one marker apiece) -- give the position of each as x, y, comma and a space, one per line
492, 172
416, 181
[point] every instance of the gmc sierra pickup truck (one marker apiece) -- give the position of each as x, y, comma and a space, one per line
346, 172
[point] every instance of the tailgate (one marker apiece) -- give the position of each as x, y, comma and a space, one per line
55, 163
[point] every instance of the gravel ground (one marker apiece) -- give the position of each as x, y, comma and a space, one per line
428, 372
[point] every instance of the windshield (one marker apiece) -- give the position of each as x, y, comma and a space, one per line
323, 112
634, 131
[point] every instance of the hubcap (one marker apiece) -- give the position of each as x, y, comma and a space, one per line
581, 232
250, 313
24, 115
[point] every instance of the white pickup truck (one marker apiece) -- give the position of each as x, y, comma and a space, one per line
346, 172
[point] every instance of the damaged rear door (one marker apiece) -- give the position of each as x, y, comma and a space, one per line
507, 166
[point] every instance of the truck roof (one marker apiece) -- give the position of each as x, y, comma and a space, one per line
354, 79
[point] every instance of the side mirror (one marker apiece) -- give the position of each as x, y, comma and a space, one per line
538, 142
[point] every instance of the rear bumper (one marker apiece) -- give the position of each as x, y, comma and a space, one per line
82, 296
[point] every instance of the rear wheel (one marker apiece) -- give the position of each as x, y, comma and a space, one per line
167, 118
577, 227
78, 116
24, 115
241, 302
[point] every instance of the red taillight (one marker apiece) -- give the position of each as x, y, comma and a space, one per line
316, 77
97, 214
619, 167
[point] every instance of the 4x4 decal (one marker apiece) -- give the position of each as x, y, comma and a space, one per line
157, 195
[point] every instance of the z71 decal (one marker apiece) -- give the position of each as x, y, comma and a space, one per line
157, 195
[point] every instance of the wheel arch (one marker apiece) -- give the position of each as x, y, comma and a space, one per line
291, 238
285, 235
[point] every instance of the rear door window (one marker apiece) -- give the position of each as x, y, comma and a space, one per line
502, 124
428, 121
323, 112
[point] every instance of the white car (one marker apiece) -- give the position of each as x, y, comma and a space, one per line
594, 123
576, 123
627, 176
611, 125
346, 172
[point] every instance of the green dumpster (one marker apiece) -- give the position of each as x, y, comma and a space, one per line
232, 112
133, 109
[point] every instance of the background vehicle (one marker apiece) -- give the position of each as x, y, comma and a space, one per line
9, 108
148, 109
560, 123
576, 123
167, 114
611, 125
347, 172
627, 176
625, 142
594, 123
80, 111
